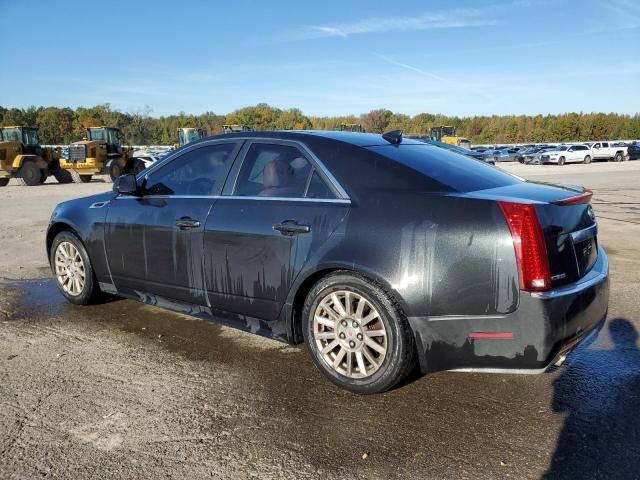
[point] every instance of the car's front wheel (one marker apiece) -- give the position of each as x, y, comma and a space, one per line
72, 269
356, 335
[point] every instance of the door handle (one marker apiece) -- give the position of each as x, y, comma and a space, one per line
291, 227
187, 222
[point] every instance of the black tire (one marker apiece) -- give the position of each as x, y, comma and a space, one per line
587, 160
91, 292
4, 182
85, 178
400, 357
619, 157
561, 161
113, 170
43, 175
62, 176
29, 173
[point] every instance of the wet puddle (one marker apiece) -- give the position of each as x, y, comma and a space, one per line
34, 301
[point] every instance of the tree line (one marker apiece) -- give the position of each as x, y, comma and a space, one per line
65, 125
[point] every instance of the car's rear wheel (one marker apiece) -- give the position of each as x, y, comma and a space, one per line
619, 157
561, 161
4, 182
587, 159
72, 269
356, 335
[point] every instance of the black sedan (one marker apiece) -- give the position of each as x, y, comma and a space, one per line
381, 254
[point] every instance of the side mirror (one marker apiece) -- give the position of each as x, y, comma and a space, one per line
125, 185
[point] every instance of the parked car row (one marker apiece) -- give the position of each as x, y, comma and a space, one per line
563, 153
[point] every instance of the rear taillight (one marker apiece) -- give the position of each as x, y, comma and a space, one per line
528, 242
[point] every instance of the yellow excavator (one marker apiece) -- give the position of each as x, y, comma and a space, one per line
189, 134
447, 134
102, 152
22, 157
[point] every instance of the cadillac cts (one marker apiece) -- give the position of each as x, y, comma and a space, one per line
381, 254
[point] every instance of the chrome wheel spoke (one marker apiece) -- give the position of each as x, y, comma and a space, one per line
330, 347
338, 360
375, 333
337, 305
374, 345
360, 360
325, 321
349, 364
360, 308
369, 318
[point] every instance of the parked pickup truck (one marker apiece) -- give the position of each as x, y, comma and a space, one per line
609, 151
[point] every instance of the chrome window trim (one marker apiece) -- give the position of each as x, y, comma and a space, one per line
287, 199
237, 197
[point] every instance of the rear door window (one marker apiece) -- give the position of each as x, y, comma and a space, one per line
446, 171
273, 170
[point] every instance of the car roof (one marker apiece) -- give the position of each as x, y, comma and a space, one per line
353, 138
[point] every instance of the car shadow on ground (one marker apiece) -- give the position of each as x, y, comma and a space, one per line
599, 391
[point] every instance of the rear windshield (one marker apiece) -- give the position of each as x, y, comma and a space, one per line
447, 171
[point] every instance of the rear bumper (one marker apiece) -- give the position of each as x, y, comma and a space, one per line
544, 327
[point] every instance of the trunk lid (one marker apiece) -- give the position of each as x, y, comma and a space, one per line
569, 227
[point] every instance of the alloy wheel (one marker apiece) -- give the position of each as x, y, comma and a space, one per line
70, 269
350, 334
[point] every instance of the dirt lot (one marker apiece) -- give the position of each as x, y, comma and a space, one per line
122, 390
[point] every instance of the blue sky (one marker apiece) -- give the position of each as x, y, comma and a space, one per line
325, 57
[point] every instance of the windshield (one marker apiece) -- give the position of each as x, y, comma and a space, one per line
30, 136
561, 148
10, 135
111, 136
97, 134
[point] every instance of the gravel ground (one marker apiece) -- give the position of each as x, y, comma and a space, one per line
123, 390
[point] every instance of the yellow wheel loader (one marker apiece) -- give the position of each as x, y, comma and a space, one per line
102, 152
447, 134
22, 157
